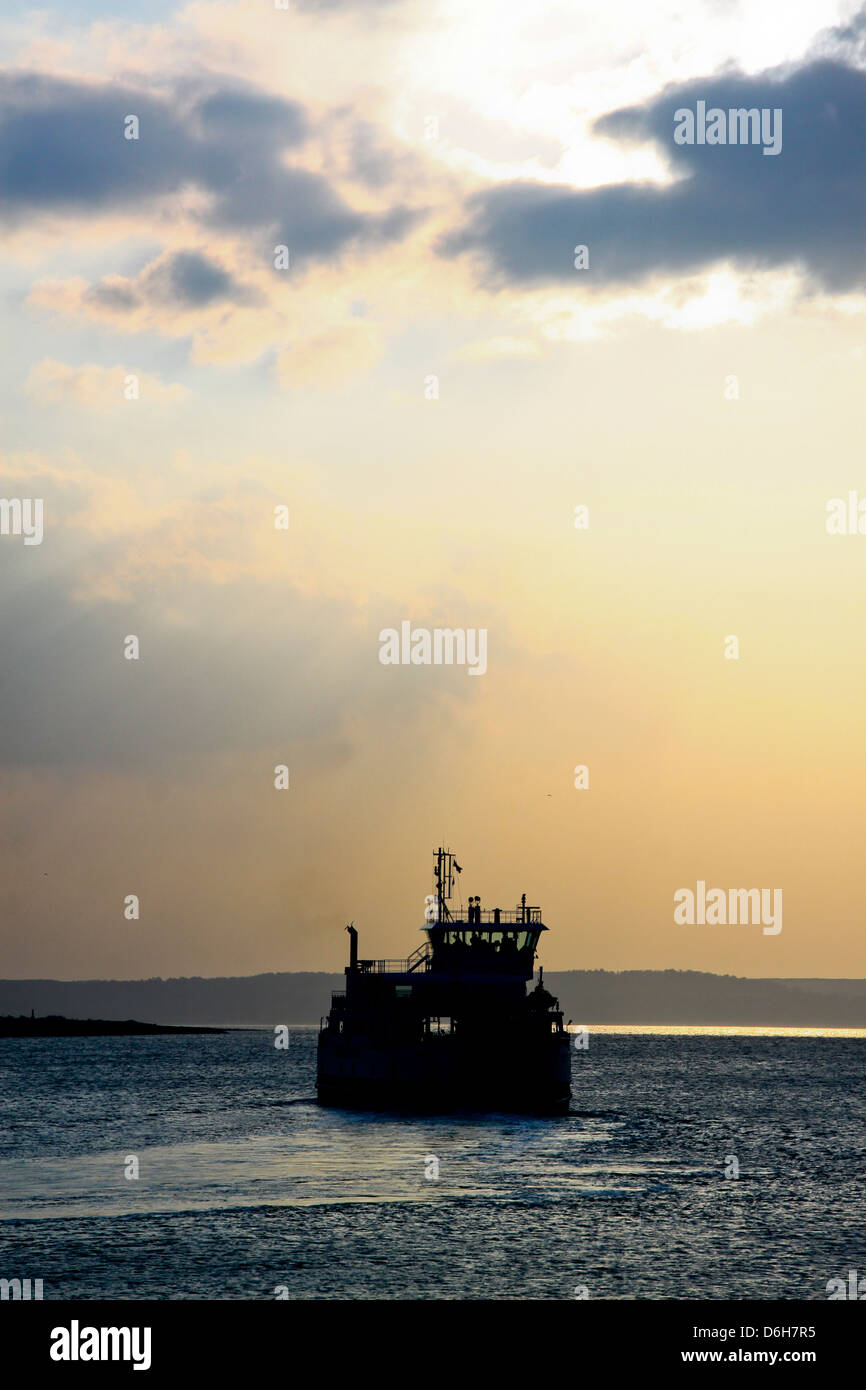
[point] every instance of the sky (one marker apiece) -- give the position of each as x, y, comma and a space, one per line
431, 387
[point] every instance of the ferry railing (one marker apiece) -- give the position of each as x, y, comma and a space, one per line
418, 960
520, 917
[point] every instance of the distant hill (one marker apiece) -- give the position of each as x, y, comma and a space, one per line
271, 999
587, 996
53, 1026
692, 996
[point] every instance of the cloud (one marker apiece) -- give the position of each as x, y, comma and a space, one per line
176, 282
63, 148
93, 387
804, 207
209, 679
233, 310
243, 646
183, 279
181, 293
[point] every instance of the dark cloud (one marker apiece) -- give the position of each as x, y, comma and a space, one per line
62, 146
846, 41
184, 280
374, 162
191, 279
119, 299
235, 115
806, 205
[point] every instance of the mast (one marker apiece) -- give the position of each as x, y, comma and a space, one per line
443, 875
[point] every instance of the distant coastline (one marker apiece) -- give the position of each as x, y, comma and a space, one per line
680, 997
55, 1026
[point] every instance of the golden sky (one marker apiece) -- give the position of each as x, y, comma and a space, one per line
698, 387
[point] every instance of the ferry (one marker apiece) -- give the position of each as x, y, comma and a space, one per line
453, 1026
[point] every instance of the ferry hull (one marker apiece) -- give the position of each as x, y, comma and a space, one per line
442, 1078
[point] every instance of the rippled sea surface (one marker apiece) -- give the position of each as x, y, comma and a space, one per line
246, 1186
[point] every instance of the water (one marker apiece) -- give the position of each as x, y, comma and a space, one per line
247, 1186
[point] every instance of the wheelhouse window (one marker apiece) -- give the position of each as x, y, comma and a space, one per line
477, 947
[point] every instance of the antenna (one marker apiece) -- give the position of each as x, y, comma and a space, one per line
443, 876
